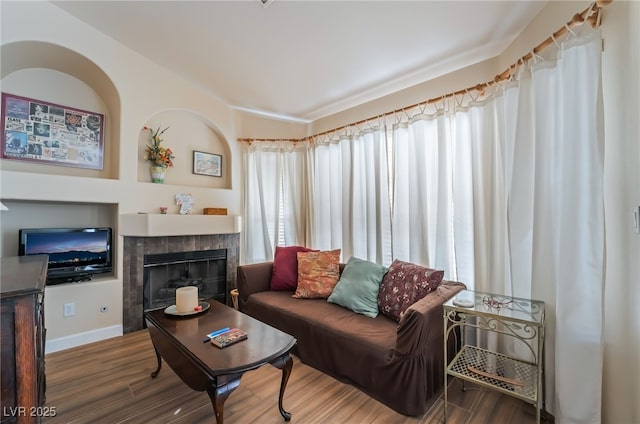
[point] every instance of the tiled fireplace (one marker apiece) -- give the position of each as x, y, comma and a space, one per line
149, 235
143, 235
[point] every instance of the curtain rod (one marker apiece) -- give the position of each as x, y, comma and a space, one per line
590, 14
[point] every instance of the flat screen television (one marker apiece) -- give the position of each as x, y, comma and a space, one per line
75, 254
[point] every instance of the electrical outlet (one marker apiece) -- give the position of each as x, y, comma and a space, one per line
69, 309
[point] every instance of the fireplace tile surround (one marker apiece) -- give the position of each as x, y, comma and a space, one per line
136, 247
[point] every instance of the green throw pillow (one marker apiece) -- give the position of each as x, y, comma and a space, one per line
358, 287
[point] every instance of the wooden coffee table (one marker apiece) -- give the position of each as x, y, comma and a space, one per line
203, 366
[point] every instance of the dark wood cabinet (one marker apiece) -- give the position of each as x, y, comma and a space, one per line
22, 338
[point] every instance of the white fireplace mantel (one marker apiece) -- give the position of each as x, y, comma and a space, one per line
159, 225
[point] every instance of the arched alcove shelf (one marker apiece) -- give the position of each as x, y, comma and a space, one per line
56, 74
187, 133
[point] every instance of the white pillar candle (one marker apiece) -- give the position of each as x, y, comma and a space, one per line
186, 299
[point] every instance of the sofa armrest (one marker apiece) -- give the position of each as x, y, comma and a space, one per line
253, 278
420, 328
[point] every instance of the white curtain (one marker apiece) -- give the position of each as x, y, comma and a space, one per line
505, 195
554, 241
422, 203
351, 209
479, 197
276, 188
578, 230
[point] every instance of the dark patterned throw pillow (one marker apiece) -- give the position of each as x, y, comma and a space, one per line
404, 284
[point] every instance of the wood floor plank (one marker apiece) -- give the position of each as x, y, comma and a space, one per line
109, 382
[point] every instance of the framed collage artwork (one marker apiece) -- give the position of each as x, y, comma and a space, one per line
39, 131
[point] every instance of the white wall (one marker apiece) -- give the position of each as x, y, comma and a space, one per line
64, 61
251, 125
621, 87
185, 133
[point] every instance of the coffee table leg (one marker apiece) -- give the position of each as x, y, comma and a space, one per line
219, 394
285, 363
157, 371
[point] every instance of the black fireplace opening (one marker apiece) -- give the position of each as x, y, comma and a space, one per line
164, 273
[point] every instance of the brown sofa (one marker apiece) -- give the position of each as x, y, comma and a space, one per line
399, 364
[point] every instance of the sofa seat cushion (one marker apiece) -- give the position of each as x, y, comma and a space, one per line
296, 316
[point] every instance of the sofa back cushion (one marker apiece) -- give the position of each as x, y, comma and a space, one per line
404, 284
318, 273
358, 287
285, 267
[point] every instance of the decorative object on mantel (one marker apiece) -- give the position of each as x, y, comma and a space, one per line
160, 157
207, 164
163, 210
185, 201
214, 211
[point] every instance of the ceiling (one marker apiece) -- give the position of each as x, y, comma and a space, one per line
303, 60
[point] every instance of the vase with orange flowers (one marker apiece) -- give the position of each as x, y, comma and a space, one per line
159, 156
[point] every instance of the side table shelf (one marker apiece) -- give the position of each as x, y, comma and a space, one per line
522, 373
519, 319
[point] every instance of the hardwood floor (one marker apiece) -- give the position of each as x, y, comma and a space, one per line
109, 382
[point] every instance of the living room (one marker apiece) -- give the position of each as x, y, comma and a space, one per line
50, 55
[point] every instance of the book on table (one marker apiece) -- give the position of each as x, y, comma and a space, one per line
230, 337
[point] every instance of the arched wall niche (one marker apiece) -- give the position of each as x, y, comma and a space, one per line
56, 74
187, 131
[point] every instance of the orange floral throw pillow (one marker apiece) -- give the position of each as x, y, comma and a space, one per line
318, 274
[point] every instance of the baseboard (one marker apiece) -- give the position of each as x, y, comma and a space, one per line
80, 339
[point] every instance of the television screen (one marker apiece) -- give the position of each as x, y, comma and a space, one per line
74, 253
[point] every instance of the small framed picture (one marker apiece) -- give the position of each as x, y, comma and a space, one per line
207, 164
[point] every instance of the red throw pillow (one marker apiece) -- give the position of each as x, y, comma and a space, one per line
285, 267
403, 285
